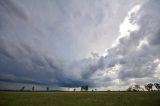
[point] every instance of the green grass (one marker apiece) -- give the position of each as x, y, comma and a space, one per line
79, 99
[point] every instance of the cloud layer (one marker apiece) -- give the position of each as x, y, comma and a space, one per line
73, 43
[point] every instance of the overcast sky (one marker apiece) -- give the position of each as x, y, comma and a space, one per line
69, 43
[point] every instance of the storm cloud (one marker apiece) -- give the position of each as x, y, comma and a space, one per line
73, 43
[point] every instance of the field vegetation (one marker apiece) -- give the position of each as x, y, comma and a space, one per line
79, 98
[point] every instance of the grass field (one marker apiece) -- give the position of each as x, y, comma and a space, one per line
79, 99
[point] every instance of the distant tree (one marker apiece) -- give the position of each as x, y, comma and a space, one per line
148, 87
157, 86
129, 89
135, 88
84, 88
74, 89
47, 88
23, 87
33, 88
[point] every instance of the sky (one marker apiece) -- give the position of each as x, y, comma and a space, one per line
105, 44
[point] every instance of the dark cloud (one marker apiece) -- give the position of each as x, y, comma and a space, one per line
155, 40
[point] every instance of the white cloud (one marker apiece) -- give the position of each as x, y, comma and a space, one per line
142, 43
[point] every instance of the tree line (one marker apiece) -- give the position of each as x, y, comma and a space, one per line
32, 89
148, 87
136, 87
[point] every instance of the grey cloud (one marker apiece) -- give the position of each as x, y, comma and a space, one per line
13, 8
51, 42
155, 39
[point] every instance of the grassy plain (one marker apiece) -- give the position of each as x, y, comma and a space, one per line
79, 98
